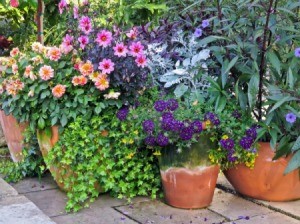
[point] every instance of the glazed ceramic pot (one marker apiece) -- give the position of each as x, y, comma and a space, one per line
267, 180
12, 131
47, 139
188, 179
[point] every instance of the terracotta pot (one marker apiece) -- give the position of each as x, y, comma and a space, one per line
188, 178
12, 131
266, 181
189, 188
47, 139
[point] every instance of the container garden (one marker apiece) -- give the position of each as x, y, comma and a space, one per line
12, 131
266, 181
187, 176
47, 138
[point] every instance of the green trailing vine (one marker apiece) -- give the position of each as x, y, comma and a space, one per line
32, 164
104, 154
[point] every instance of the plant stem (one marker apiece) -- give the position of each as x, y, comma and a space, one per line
262, 67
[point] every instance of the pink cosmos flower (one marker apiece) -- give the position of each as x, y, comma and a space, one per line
86, 68
28, 71
106, 66
120, 50
65, 49
68, 39
37, 47
14, 52
14, 68
46, 72
104, 38
83, 40
102, 82
132, 33
136, 48
54, 54
61, 5
75, 12
58, 90
85, 24
141, 60
79, 80
14, 3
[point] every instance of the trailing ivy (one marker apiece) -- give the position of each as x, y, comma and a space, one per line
104, 152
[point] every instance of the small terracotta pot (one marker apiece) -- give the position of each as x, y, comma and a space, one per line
267, 180
189, 188
47, 139
12, 131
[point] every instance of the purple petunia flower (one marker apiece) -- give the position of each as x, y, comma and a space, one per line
167, 115
198, 32
246, 142
290, 117
230, 157
176, 126
297, 52
205, 23
172, 104
122, 113
162, 140
160, 105
148, 126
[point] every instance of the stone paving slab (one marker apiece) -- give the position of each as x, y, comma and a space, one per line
19, 210
155, 211
232, 206
51, 202
291, 208
99, 216
6, 190
34, 184
273, 218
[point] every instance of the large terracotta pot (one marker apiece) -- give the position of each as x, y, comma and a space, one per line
188, 179
12, 131
267, 180
47, 139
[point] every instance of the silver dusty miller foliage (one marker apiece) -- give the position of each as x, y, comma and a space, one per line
181, 64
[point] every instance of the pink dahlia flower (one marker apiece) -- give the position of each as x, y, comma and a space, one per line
58, 90
136, 48
106, 66
104, 38
46, 72
120, 50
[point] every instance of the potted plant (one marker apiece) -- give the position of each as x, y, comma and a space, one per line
257, 59
175, 132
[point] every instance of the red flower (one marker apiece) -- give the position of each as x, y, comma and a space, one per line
14, 3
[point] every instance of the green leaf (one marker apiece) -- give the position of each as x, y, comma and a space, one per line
98, 109
275, 62
41, 123
296, 145
54, 121
180, 90
273, 141
253, 90
210, 39
294, 163
227, 69
282, 101
45, 94
63, 120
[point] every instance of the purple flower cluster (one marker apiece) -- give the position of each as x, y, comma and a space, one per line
212, 117
148, 126
236, 114
247, 141
161, 105
230, 157
122, 113
227, 144
183, 129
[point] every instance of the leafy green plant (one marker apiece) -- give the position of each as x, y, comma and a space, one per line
104, 152
32, 164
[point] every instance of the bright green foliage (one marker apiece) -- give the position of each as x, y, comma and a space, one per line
105, 152
32, 164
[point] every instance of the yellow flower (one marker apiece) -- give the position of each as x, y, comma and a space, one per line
136, 132
130, 141
124, 140
207, 122
157, 153
219, 149
130, 155
225, 137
